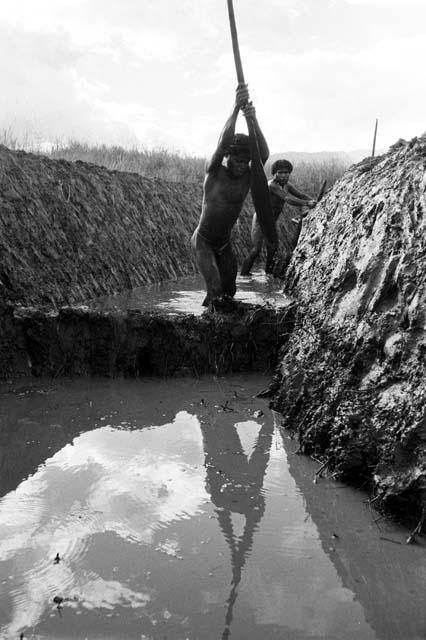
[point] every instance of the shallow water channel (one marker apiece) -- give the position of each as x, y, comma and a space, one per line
176, 509
185, 295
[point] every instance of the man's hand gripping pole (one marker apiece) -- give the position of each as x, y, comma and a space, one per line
259, 183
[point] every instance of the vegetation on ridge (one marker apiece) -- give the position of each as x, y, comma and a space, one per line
162, 163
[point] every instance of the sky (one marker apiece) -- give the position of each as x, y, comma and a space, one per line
161, 74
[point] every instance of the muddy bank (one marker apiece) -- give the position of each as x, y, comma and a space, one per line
351, 381
75, 341
72, 231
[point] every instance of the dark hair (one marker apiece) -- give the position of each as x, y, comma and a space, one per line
239, 146
281, 165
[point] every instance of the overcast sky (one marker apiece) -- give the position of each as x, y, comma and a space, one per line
161, 73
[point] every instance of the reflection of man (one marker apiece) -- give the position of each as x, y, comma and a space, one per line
234, 481
235, 485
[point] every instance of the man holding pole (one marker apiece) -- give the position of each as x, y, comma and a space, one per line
226, 186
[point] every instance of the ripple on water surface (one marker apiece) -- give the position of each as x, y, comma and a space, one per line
154, 508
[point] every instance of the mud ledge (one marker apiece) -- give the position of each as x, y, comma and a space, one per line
351, 382
370, 435
73, 231
76, 341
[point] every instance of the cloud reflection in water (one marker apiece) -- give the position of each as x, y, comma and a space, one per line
109, 480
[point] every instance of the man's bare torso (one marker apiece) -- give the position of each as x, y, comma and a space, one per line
222, 203
277, 202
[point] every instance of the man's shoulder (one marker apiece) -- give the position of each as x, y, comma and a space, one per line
216, 172
291, 187
221, 178
274, 186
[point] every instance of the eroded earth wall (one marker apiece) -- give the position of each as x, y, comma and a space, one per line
351, 381
72, 231
76, 341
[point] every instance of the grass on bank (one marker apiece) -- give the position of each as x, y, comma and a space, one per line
164, 164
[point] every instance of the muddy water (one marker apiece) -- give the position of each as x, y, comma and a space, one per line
178, 511
185, 295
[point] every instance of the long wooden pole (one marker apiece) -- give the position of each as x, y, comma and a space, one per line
322, 191
258, 180
374, 140
235, 45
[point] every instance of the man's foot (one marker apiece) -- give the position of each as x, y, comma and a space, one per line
224, 304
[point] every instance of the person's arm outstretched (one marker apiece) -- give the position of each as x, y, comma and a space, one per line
300, 195
289, 197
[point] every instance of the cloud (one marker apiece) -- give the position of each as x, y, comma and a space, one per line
108, 480
330, 99
139, 73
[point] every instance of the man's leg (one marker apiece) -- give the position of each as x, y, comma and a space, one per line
207, 264
257, 241
271, 251
228, 268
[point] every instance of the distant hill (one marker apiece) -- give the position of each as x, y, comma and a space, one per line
345, 157
359, 154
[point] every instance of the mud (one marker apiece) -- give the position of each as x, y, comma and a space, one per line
351, 381
71, 231
77, 341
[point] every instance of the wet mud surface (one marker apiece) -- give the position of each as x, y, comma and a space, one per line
161, 330
77, 341
175, 509
185, 295
351, 381
74, 230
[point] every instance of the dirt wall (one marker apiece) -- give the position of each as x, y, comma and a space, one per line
76, 341
351, 381
72, 231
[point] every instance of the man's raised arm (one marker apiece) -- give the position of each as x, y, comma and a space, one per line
227, 136
250, 112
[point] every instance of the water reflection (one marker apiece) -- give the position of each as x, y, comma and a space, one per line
108, 480
176, 512
387, 577
38, 418
235, 483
